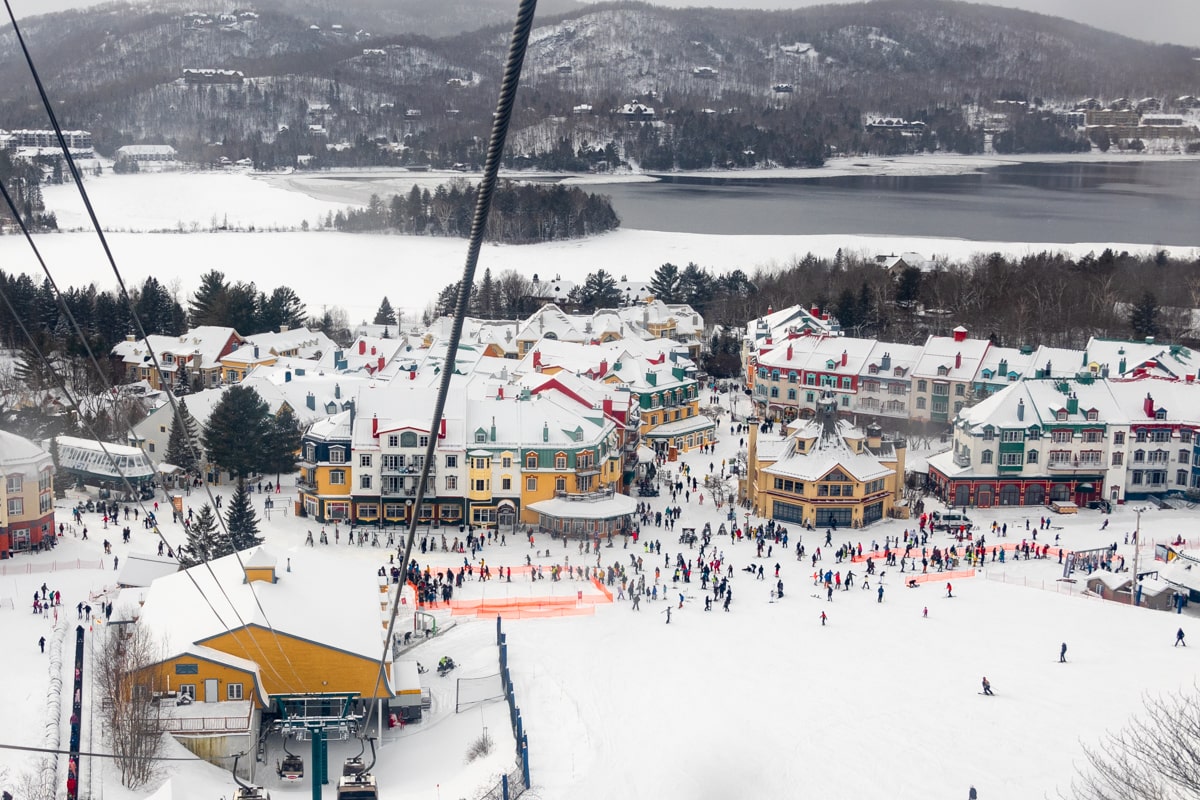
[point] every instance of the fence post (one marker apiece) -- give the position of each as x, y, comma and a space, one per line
504, 785
497, 629
525, 762
520, 728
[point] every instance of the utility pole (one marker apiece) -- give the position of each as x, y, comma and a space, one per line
1137, 534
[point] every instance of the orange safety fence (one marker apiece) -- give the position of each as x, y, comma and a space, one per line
930, 577
533, 606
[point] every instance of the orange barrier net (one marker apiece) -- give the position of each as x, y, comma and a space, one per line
933, 577
533, 606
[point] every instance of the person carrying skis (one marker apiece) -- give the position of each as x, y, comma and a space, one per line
987, 686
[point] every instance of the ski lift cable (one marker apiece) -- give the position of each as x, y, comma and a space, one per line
153, 356
500, 122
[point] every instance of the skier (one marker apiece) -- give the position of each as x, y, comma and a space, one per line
987, 686
1062, 654
1179, 638
42, 643
637, 599
925, 612
949, 590
880, 599
823, 618
668, 615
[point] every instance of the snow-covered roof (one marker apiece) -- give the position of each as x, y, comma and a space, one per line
299, 604
142, 569
599, 507
19, 451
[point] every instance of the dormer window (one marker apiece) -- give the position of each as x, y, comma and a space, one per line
943, 371
1160, 414
1092, 415
1061, 416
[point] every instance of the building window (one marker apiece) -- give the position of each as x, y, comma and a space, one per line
1162, 436
922, 386
364, 481
479, 463
1118, 459
1061, 436
1185, 436
959, 390
921, 403
451, 462
1139, 435
1092, 436
531, 483
1139, 456
1010, 459
531, 460
1031, 457
310, 452
1185, 456
506, 484
451, 482
393, 441
560, 484
1092, 416
337, 455
16, 506
791, 395
560, 461
337, 477
481, 485
1181, 477
364, 460
233, 691
506, 462
986, 457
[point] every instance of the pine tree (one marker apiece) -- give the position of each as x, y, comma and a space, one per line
184, 441
283, 443
205, 540
1143, 317
664, 284
695, 286
599, 291
60, 481
242, 521
237, 435
386, 315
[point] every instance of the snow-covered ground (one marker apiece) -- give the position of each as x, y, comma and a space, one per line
353, 271
754, 702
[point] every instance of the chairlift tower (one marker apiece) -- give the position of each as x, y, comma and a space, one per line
318, 717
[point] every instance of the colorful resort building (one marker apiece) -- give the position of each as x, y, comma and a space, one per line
824, 472
26, 496
500, 448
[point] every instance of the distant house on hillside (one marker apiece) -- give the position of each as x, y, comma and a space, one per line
636, 112
146, 152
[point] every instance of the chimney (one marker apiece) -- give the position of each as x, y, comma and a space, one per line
1072, 404
885, 363
362, 347
372, 349
492, 432
337, 391
815, 311
256, 351
379, 364
412, 374
770, 309
375, 426
1148, 406
960, 334
958, 360
499, 392
287, 376
545, 432
1020, 411
1004, 367
844, 358
603, 367
1190, 377
789, 353
311, 402
537, 360
1149, 340
284, 328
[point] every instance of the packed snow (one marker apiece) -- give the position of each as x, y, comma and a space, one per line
757, 701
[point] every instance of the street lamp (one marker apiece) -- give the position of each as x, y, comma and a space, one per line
1137, 532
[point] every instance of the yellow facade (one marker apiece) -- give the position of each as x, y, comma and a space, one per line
195, 673
291, 665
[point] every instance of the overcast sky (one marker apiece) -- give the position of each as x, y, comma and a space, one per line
1174, 21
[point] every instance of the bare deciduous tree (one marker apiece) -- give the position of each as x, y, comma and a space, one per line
125, 685
1156, 756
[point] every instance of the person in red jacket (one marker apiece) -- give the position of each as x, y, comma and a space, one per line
949, 590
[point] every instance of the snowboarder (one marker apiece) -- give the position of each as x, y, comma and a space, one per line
987, 686
1179, 638
1062, 654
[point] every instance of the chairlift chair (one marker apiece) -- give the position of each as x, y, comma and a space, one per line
246, 791
357, 782
292, 768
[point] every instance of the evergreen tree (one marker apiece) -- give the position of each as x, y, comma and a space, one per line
184, 441
908, 286
483, 300
664, 284
282, 307
242, 521
599, 290
283, 444
1143, 317
60, 481
237, 435
386, 315
695, 287
205, 539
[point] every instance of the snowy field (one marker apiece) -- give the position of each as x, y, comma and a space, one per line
760, 701
353, 271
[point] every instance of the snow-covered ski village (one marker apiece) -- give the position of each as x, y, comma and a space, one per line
620, 563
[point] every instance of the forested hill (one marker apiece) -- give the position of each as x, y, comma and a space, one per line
727, 88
